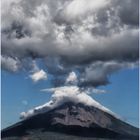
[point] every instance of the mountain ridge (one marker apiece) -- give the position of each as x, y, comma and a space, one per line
75, 119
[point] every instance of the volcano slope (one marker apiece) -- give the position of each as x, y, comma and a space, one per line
71, 121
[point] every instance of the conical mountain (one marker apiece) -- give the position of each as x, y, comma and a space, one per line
75, 119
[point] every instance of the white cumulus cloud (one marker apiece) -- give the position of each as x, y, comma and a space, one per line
39, 75
72, 78
78, 8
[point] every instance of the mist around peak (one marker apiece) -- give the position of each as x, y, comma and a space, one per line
61, 95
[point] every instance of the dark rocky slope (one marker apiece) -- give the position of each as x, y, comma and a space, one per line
73, 119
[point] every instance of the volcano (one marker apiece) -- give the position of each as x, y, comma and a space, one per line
71, 119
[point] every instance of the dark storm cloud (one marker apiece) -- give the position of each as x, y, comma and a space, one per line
72, 35
128, 11
17, 30
98, 73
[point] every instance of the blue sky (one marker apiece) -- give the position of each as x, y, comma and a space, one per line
19, 93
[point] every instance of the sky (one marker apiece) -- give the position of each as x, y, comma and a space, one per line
120, 98
79, 46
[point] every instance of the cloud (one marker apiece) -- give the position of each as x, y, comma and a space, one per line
77, 8
96, 91
80, 42
34, 67
98, 73
62, 95
72, 35
72, 78
10, 64
25, 102
128, 11
39, 75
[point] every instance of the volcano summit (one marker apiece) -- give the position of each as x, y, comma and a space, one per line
79, 116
